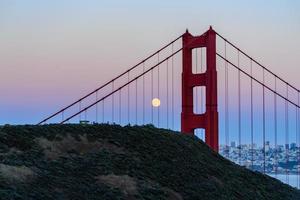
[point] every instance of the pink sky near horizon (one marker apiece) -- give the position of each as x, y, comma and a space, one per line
53, 52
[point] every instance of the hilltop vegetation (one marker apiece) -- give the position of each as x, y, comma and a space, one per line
113, 162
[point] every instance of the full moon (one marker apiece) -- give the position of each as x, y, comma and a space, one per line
155, 102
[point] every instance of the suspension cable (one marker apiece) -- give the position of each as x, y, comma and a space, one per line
79, 110
152, 88
128, 100
172, 86
239, 108
275, 128
264, 123
287, 101
136, 102
120, 105
103, 110
252, 148
140, 75
167, 93
226, 105
296, 130
197, 98
143, 94
113, 102
107, 83
96, 107
245, 54
287, 134
259, 82
158, 86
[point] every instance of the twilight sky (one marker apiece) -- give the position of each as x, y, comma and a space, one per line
52, 52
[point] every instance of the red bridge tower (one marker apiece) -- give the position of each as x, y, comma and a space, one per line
208, 120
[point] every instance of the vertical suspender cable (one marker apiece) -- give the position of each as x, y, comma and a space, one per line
197, 98
103, 110
226, 105
120, 106
167, 93
79, 110
275, 128
96, 107
239, 108
158, 86
128, 99
152, 95
172, 87
251, 102
296, 130
264, 123
113, 102
287, 134
136, 101
143, 93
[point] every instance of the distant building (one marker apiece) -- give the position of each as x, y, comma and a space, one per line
287, 146
232, 144
280, 147
267, 146
293, 146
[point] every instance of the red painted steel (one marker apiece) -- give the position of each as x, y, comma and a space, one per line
208, 120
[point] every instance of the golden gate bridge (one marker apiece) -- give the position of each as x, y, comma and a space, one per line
207, 87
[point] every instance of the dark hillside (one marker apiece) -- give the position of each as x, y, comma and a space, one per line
114, 162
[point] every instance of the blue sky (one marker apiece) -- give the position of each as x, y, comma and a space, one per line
52, 52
